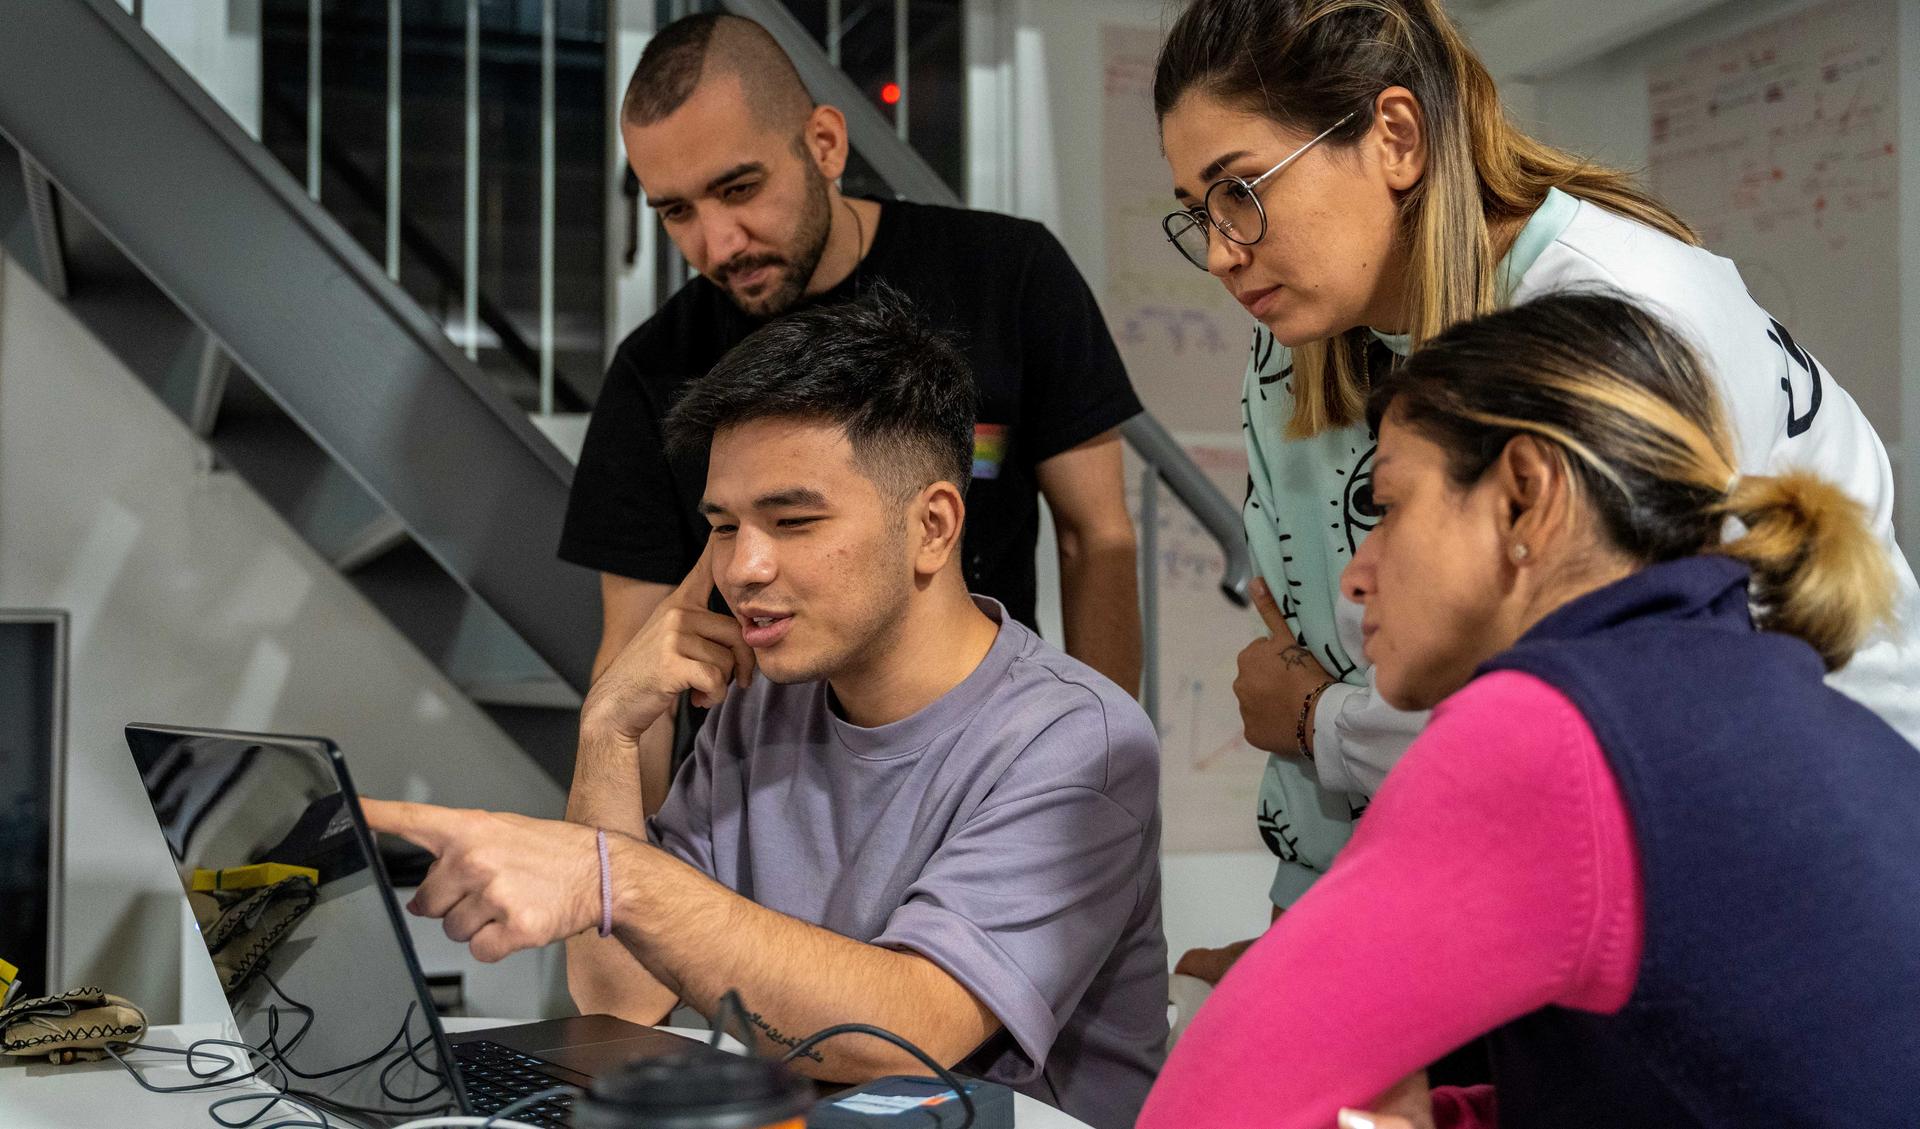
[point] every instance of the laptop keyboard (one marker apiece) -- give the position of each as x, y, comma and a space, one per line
496, 1077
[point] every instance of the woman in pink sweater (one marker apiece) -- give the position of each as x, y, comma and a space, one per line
1583, 852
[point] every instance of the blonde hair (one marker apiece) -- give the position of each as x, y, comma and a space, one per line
1630, 408
1308, 63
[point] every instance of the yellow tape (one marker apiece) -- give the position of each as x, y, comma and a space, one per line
249, 877
7, 973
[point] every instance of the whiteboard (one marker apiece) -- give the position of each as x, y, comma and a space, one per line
1781, 146
1182, 335
1185, 342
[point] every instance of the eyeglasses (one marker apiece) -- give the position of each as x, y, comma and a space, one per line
1231, 207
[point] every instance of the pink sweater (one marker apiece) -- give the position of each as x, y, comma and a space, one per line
1494, 874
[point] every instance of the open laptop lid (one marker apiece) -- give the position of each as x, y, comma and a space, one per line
324, 971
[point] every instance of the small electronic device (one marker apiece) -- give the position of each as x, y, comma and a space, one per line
901, 1102
250, 877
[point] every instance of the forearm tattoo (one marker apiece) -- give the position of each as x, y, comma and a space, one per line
1298, 658
775, 1036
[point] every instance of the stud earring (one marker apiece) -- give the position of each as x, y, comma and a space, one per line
1519, 552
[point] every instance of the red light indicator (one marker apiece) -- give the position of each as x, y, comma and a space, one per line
890, 94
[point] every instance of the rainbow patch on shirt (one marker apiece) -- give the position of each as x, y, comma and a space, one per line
989, 449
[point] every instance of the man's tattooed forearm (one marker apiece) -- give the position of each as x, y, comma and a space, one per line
774, 1035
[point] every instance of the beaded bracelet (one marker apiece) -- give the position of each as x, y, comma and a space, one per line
1306, 711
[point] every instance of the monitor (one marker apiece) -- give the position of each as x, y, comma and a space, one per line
33, 716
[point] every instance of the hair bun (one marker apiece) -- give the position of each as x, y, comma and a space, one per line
1818, 572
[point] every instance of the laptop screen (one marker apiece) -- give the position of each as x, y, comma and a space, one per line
302, 933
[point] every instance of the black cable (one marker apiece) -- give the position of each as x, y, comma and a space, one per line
209, 1080
442, 1073
271, 1100
730, 1002
400, 1037
884, 1035
272, 1054
385, 1079
214, 1081
411, 1055
339, 1106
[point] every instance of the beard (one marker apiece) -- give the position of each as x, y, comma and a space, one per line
792, 270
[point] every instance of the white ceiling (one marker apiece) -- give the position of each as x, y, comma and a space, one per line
1531, 39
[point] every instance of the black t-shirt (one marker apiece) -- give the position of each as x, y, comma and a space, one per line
1047, 373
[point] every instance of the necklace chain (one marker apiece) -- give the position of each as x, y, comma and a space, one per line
859, 241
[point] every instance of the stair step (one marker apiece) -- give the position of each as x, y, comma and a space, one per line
528, 693
568, 430
43, 207
379, 536
329, 507
549, 736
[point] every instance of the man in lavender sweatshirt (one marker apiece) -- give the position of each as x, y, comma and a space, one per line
905, 809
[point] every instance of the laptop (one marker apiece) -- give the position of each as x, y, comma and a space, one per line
324, 969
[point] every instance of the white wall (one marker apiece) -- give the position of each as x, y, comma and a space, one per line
1599, 108
1040, 142
218, 43
631, 297
192, 603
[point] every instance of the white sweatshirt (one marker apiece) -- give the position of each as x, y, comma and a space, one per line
1785, 412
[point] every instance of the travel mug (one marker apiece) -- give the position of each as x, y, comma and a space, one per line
696, 1091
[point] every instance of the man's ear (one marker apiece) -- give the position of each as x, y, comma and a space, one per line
1535, 492
939, 514
1399, 137
825, 138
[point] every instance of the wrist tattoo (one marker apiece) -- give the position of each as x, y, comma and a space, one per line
1298, 658
775, 1036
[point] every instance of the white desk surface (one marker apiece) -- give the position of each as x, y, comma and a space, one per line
99, 1095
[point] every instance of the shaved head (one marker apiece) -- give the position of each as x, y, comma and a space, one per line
694, 50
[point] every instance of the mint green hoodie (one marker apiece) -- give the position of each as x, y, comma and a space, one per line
1309, 505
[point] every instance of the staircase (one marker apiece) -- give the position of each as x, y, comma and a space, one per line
193, 255
264, 322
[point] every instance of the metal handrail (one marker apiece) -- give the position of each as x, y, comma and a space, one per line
338, 164
416, 425
1181, 475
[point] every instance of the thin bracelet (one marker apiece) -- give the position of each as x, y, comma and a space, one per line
1306, 711
606, 887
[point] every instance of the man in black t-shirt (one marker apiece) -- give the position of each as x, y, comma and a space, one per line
741, 167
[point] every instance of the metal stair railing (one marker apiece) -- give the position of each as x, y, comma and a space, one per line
103, 114
408, 237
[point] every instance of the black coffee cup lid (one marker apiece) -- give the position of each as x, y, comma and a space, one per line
694, 1091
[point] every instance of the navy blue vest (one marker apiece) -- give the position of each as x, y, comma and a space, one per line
1778, 824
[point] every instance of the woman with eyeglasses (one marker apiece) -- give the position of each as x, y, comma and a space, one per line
1641, 844
1345, 169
